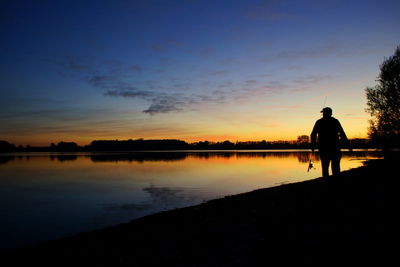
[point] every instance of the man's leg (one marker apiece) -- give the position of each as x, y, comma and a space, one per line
325, 164
336, 163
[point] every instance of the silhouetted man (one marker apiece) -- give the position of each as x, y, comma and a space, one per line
328, 135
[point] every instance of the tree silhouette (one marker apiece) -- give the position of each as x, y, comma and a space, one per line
303, 139
383, 101
6, 146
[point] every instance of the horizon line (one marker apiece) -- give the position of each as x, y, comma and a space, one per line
161, 139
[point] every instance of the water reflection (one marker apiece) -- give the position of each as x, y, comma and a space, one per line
51, 195
5, 159
170, 156
64, 157
160, 198
139, 157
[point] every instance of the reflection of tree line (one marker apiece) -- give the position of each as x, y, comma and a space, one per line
177, 156
303, 157
61, 158
139, 157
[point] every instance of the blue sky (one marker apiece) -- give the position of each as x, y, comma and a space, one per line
193, 70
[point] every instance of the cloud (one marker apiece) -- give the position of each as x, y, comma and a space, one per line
182, 86
226, 84
67, 121
165, 105
74, 63
251, 82
265, 14
270, 11
102, 81
112, 78
87, 66
168, 45
115, 87
312, 79
207, 52
314, 52
42, 113
252, 89
295, 67
52, 114
219, 73
175, 97
308, 53
160, 102
133, 93
230, 61
115, 78
216, 96
135, 68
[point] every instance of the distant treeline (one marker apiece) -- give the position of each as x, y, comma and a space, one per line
171, 144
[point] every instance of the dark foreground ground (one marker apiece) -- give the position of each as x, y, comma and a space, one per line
347, 219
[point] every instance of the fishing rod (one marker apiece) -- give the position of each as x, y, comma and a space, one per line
310, 165
326, 97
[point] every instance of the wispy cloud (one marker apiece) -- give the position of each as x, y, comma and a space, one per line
168, 95
309, 53
167, 45
174, 97
230, 61
130, 93
207, 52
219, 73
161, 102
53, 114
271, 10
102, 81
68, 121
312, 79
251, 82
77, 65
162, 106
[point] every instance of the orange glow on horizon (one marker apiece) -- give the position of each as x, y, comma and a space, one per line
82, 141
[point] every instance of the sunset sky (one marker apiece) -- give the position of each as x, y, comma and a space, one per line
191, 69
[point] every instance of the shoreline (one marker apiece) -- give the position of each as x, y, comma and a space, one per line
338, 218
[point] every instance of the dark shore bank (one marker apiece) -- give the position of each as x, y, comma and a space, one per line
341, 220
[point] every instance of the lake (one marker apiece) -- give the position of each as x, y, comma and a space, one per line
51, 195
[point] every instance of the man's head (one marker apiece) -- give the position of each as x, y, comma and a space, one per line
326, 112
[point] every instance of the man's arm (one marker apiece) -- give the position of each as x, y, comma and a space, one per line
314, 136
343, 137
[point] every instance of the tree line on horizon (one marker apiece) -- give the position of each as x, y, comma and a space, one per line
302, 142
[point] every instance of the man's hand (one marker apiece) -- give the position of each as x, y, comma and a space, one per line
312, 147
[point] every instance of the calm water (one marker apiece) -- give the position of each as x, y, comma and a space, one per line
47, 196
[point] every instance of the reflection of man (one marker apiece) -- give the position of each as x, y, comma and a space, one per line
330, 134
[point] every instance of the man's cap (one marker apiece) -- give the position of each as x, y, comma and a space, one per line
327, 109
